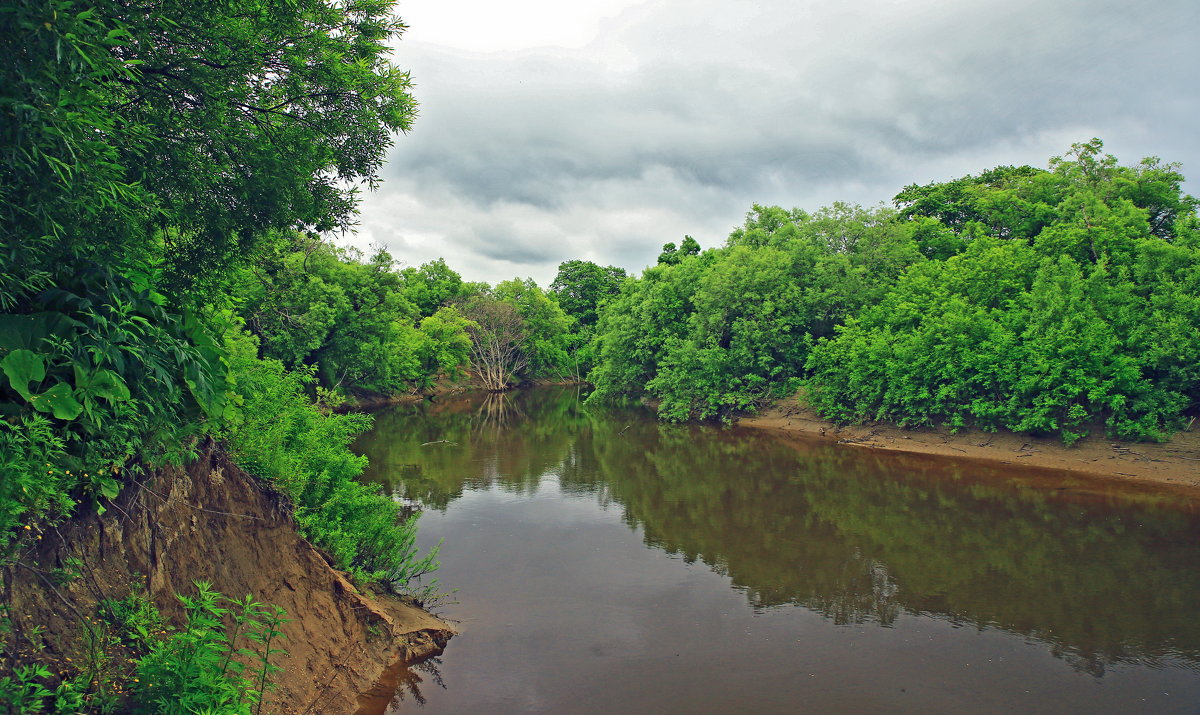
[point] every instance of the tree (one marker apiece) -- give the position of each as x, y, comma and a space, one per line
187, 130
518, 333
147, 148
716, 332
498, 337
1072, 304
546, 326
432, 285
582, 286
670, 255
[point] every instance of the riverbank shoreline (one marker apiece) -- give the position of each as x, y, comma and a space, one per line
209, 521
1173, 465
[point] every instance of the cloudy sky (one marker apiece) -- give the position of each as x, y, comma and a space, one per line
601, 129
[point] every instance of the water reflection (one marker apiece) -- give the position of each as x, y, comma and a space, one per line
859, 537
400, 683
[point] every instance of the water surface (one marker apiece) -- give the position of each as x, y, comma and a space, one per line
606, 562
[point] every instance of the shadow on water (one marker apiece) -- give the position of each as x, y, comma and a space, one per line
1100, 575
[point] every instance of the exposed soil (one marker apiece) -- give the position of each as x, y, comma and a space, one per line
1172, 465
214, 522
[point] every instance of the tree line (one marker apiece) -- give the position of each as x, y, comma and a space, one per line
1045, 301
1036, 300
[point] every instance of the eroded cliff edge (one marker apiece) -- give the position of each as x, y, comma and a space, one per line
214, 522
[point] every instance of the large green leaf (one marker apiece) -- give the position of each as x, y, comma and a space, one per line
101, 383
110, 386
58, 401
28, 331
23, 367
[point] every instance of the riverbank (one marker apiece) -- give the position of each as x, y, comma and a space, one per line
216, 523
1173, 465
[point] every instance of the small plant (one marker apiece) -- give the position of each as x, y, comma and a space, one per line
22, 691
71, 569
34, 636
201, 668
429, 596
137, 619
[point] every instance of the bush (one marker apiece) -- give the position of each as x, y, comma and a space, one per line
198, 670
281, 436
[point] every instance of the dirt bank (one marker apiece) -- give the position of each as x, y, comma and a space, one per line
214, 522
1173, 465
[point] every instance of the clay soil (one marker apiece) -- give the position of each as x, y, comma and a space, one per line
1172, 466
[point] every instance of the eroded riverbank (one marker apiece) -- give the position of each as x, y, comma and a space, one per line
216, 523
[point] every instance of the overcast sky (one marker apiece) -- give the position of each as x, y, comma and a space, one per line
601, 129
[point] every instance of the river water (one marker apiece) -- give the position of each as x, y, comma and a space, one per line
605, 562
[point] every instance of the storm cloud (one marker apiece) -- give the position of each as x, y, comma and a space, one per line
680, 115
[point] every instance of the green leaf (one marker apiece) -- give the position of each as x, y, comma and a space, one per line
23, 367
110, 386
28, 331
109, 487
102, 383
58, 401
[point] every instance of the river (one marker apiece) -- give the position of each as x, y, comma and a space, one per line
606, 562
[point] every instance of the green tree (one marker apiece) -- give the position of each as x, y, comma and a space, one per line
546, 326
148, 149
721, 331
1043, 326
432, 285
316, 305
517, 333
580, 287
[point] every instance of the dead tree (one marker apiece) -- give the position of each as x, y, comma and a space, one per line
497, 337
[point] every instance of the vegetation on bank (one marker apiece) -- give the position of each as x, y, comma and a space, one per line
134, 661
156, 157
1041, 301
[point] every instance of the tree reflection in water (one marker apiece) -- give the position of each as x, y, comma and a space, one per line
857, 536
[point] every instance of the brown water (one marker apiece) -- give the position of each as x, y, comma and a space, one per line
606, 562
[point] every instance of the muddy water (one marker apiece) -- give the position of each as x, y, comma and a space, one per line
608, 563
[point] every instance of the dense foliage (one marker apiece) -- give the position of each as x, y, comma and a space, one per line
150, 149
164, 166
219, 661
713, 332
581, 288
1034, 300
303, 449
359, 323
1075, 301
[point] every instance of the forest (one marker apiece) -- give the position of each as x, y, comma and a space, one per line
170, 272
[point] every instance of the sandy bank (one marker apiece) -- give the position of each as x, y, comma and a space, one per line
1173, 465
212, 521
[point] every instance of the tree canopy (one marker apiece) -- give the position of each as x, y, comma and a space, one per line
149, 151
1037, 300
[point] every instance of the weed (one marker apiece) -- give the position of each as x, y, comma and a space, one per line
71, 569
198, 669
22, 690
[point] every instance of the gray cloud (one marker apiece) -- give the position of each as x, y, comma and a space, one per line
681, 115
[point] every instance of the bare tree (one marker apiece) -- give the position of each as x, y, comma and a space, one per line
497, 336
